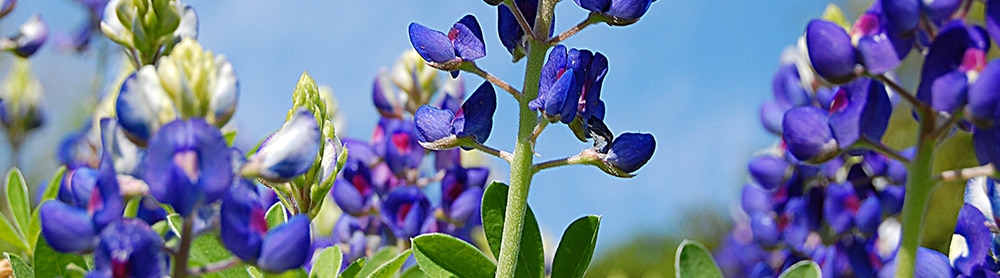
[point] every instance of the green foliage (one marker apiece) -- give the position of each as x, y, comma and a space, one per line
530, 259
21, 269
441, 255
376, 260
693, 260
327, 263
19, 206
802, 269
390, 268
352, 270
55, 264
576, 247
276, 215
206, 249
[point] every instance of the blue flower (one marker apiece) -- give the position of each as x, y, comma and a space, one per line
629, 152
74, 227
510, 30
770, 172
29, 38
957, 54
353, 193
245, 232
461, 194
129, 248
288, 153
622, 12
807, 135
188, 164
405, 210
830, 51
463, 43
439, 129
570, 85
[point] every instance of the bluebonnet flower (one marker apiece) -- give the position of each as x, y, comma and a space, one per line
405, 210
770, 172
188, 164
439, 129
29, 38
129, 248
835, 53
619, 12
953, 61
288, 153
570, 85
353, 193
630, 151
73, 227
463, 43
904, 15
245, 232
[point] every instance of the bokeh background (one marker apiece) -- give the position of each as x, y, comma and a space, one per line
692, 72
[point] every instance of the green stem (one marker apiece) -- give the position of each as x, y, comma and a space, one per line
520, 169
918, 189
184, 249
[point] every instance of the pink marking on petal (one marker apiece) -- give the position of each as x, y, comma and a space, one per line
402, 142
866, 25
973, 60
403, 210
852, 203
187, 161
453, 34
119, 264
96, 201
258, 222
840, 100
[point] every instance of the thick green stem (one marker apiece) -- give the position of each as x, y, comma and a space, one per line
918, 189
520, 168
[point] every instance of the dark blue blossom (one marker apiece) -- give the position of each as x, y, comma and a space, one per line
830, 51
807, 134
510, 31
188, 164
621, 12
405, 210
438, 129
769, 172
570, 85
462, 192
463, 43
245, 232
73, 227
958, 52
353, 193
129, 248
630, 151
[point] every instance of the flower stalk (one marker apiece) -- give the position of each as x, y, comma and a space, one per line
918, 189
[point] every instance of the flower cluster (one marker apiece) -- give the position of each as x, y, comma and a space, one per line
833, 190
20, 92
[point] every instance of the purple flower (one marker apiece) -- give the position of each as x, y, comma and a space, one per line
972, 227
929, 263
860, 109
74, 227
405, 210
830, 51
630, 151
129, 248
439, 129
463, 43
353, 193
570, 85
399, 146
29, 38
245, 232
622, 12
188, 164
461, 194
958, 52
6, 6
984, 96
510, 30
288, 153
807, 135
770, 172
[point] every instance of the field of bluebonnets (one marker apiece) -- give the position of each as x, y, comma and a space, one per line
878, 160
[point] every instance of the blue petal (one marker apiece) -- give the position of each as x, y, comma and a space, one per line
287, 246
432, 124
508, 29
984, 95
836, 207
291, 151
404, 210
765, 230
948, 92
869, 216
597, 6
181, 185
466, 205
475, 120
109, 206
31, 36
432, 45
878, 53
830, 51
130, 244
347, 196
755, 199
554, 66
380, 96
807, 134
903, 15
787, 87
630, 151
940, 10
944, 56
591, 91
556, 97
929, 263
993, 19
770, 116
866, 112
81, 183
769, 172
67, 228
468, 39
628, 9
972, 226
241, 221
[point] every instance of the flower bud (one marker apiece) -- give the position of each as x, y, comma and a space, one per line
630, 151
770, 172
288, 153
29, 38
830, 51
617, 12
807, 134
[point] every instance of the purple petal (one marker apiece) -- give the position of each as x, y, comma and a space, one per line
188, 163
878, 53
432, 45
755, 199
993, 19
290, 152
929, 263
404, 210
903, 15
765, 230
869, 216
66, 228
130, 246
984, 95
771, 115
508, 29
941, 10
287, 246
807, 135
475, 119
349, 198
241, 221
769, 172
467, 37
948, 92
630, 151
432, 124
466, 205
972, 226
840, 206
830, 51
787, 87
31, 36
628, 9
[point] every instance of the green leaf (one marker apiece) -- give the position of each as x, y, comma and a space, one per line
352, 270
294, 273
413, 272
175, 222
391, 268
327, 263
206, 249
441, 255
531, 259
21, 269
693, 260
376, 260
10, 235
17, 199
802, 269
51, 190
276, 215
230, 137
576, 247
54, 264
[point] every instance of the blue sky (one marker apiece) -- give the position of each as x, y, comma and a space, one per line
691, 72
